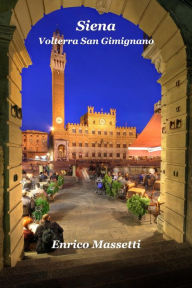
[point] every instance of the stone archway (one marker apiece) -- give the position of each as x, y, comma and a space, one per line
169, 56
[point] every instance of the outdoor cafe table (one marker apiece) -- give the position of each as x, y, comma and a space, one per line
136, 190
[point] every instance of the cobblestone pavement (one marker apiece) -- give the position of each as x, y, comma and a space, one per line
87, 216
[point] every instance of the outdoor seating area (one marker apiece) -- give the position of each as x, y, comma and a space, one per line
142, 190
37, 193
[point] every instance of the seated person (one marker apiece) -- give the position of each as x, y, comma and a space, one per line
119, 177
46, 233
114, 176
39, 192
28, 184
28, 204
28, 234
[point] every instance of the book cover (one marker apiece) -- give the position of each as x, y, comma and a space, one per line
95, 143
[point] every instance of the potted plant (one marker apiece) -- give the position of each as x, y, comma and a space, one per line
138, 205
115, 187
60, 181
41, 208
107, 181
52, 189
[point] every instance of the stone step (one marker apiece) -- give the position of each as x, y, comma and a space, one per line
130, 258
106, 272
154, 247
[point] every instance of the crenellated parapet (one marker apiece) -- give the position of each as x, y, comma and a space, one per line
125, 128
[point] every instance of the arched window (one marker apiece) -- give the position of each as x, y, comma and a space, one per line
61, 151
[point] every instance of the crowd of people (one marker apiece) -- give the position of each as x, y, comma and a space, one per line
145, 180
39, 235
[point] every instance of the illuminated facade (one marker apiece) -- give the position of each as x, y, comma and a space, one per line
148, 143
96, 136
34, 144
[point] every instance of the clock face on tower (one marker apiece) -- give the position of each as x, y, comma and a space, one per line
102, 121
59, 120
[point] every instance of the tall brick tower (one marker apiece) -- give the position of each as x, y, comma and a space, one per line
57, 64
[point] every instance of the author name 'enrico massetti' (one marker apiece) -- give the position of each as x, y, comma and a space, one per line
97, 244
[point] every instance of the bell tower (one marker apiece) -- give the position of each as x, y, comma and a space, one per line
57, 64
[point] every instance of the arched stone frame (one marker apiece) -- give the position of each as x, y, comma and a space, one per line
155, 21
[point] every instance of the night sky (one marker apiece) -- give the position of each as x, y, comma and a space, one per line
102, 76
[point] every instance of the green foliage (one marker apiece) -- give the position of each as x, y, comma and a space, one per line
41, 208
115, 187
107, 180
60, 180
53, 188
111, 187
138, 205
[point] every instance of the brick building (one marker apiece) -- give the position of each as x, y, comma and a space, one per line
96, 136
34, 143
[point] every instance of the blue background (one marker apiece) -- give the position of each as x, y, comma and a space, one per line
103, 76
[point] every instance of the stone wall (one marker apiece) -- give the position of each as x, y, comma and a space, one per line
1, 206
